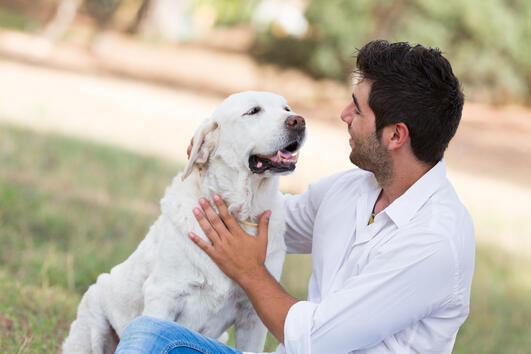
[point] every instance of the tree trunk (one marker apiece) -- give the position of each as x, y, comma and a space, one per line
63, 18
140, 17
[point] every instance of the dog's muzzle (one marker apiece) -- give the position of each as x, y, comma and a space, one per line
284, 159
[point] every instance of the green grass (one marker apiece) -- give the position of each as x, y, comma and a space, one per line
70, 210
14, 19
500, 309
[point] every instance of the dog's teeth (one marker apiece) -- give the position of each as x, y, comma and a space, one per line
288, 161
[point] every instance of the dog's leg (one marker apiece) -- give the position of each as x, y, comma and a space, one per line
249, 331
89, 330
162, 298
79, 339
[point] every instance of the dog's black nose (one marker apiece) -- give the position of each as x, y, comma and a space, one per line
295, 123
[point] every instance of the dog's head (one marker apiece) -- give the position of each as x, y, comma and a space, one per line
251, 130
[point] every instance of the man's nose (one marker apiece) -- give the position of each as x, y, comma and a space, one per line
295, 123
346, 114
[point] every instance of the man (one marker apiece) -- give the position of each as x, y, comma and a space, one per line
392, 246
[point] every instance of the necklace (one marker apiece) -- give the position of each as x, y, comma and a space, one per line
371, 219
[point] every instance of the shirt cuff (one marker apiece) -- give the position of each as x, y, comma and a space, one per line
298, 328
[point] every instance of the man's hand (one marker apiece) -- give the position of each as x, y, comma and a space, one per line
242, 256
237, 254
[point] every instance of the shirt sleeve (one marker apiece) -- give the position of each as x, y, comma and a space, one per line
402, 284
300, 211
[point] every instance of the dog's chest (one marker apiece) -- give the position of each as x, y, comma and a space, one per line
209, 312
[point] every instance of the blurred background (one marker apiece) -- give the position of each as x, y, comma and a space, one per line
99, 100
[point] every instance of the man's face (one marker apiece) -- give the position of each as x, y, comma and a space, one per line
367, 152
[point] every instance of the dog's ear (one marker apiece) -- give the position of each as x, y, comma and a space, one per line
205, 141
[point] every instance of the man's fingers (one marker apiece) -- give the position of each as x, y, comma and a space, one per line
227, 217
213, 218
263, 226
209, 249
205, 225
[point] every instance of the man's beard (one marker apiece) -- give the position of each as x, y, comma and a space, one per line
370, 155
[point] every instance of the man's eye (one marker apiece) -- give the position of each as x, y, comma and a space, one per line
254, 110
287, 109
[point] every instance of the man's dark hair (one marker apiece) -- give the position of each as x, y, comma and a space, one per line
414, 85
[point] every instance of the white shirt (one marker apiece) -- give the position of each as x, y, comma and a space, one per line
399, 285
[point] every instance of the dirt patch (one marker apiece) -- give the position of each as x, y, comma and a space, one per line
494, 142
6, 326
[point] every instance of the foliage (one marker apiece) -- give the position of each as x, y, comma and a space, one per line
487, 41
101, 10
230, 12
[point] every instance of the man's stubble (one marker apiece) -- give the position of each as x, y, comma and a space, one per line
369, 154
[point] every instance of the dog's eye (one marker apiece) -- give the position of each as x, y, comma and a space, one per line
287, 109
254, 110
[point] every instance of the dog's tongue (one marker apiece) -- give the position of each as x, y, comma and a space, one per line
283, 155
286, 155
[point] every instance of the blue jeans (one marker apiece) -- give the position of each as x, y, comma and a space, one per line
149, 335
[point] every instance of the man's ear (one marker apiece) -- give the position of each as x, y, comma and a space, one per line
205, 142
398, 135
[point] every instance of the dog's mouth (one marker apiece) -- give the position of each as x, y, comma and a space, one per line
284, 160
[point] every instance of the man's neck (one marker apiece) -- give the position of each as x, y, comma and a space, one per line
403, 176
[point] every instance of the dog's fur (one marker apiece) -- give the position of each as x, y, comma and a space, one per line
168, 276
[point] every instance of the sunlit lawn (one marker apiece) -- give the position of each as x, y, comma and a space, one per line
70, 210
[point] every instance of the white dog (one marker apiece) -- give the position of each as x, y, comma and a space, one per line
237, 153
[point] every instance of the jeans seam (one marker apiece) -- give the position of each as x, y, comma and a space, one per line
179, 343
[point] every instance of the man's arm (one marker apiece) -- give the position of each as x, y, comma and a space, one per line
269, 299
241, 257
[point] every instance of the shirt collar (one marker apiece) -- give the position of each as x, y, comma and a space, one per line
403, 208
